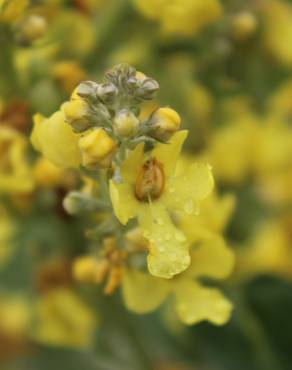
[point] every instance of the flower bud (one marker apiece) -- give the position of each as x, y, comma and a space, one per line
77, 114
87, 89
166, 122
125, 123
84, 269
148, 89
32, 28
97, 149
244, 25
107, 92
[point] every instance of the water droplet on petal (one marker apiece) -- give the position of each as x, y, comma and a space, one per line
172, 257
167, 236
179, 236
160, 222
171, 189
189, 207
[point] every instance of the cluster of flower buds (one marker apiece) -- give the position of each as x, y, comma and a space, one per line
107, 115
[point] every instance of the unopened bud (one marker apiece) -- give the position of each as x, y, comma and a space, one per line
107, 92
147, 89
126, 123
166, 122
77, 113
87, 90
97, 149
84, 269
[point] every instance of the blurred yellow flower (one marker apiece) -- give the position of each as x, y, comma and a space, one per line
269, 252
54, 138
229, 150
184, 17
69, 74
15, 173
12, 10
192, 301
149, 189
15, 315
63, 319
277, 22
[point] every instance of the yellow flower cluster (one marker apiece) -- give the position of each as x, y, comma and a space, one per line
95, 129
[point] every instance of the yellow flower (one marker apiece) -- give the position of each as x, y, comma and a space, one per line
280, 102
269, 251
15, 315
15, 174
62, 318
149, 189
54, 138
273, 149
69, 74
277, 29
12, 10
185, 17
229, 149
213, 218
192, 301
97, 149
46, 174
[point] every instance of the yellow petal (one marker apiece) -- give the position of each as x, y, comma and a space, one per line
194, 303
168, 153
54, 138
212, 258
185, 192
132, 164
142, 292
168, 251
124, 203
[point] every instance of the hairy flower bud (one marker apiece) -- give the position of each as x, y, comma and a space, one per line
107, 92
166, 122
148, 89
77, 113
125, 123
87, 90
97, 149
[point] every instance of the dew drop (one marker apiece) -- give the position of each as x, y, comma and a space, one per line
167, 236
172, 257
160, 222
189, 207
179, 236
